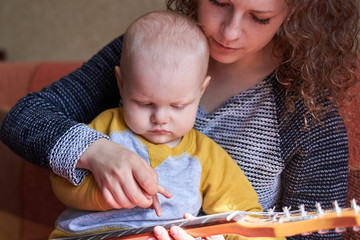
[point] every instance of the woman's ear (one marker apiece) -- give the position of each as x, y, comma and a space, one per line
205, 84
119, 78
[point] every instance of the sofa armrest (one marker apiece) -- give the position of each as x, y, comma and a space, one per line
19, 78
28, 208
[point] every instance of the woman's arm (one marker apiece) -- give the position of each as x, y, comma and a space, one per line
43, 126
317, 171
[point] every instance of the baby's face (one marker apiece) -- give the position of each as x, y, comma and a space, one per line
161, 104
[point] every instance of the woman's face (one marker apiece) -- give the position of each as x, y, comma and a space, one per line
238, 29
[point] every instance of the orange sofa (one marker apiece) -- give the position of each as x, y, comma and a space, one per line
28, 208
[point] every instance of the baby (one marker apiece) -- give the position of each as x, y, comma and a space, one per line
162, 75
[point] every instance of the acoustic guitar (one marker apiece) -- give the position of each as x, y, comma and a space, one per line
251, 224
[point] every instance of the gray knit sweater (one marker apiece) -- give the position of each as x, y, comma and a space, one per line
286, 165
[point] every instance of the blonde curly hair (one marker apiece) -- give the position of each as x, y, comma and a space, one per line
319, 47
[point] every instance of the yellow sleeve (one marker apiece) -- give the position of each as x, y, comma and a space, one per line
224, 186
87, 196
108, 121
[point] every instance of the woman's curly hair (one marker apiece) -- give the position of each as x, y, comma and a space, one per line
318, 43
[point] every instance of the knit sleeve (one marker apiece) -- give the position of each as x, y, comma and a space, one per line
87, 196
48, 128
316, 171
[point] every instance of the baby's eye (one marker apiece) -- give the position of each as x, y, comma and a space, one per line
178, 107
144, 104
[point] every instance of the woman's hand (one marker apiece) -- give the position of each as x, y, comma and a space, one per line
178, 233
123, 177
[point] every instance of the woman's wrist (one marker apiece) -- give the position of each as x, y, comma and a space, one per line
90, 153
65, 154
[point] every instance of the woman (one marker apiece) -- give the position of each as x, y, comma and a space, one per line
279, 68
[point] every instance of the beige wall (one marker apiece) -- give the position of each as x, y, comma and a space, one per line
65, 29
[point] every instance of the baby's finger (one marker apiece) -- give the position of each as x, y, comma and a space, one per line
178, 233
156, 205
160, 233
216, 237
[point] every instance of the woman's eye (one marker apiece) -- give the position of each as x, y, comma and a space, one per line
261, 20
219, 4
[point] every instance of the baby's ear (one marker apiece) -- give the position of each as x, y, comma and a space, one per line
205, 84
119, 77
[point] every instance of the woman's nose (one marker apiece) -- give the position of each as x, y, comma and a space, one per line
232, 27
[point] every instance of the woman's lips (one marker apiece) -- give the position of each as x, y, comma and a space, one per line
222, 47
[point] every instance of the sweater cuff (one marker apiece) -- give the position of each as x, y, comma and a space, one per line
68, 149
